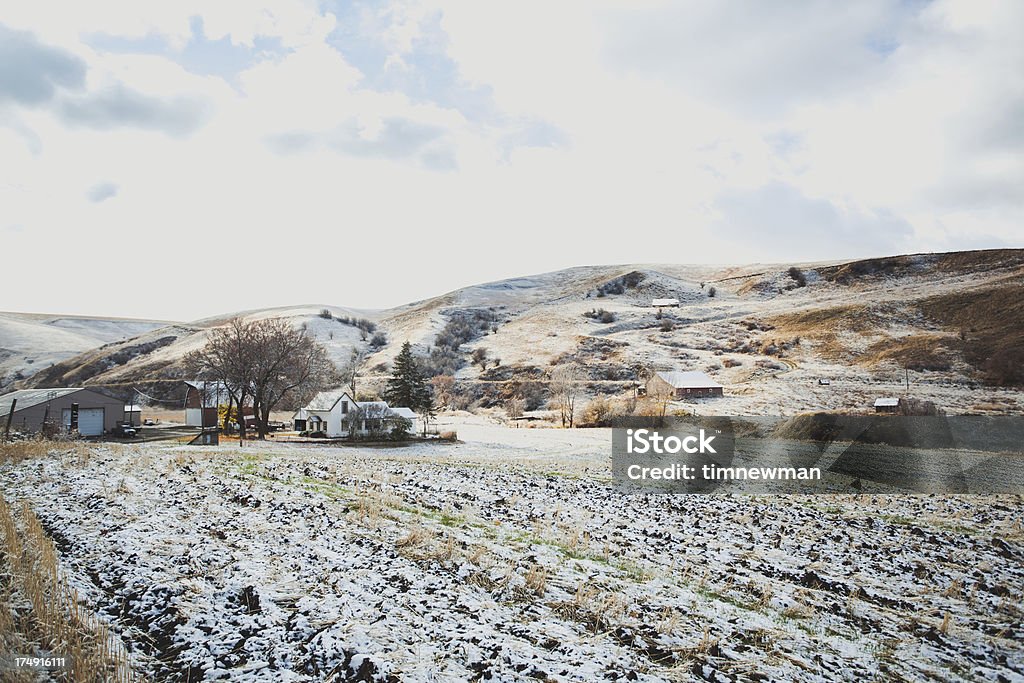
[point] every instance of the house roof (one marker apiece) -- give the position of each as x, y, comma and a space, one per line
402, 411
887, 402
132, 409
665, 302
691, 379
326, 400
374, 408
32, 397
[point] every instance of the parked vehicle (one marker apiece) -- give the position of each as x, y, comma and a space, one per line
123, 431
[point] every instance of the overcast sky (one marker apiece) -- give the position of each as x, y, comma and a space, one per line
182, 159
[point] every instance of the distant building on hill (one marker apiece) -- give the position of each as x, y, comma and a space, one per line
887, 405
691, 384
665, 303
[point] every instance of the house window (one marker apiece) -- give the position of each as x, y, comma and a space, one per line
344, 407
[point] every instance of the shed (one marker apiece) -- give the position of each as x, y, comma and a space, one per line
53, 411
886, 404
665, 303
133, 415
689, 384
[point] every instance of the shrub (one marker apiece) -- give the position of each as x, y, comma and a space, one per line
601, 315
597, 412
326, 314
378, 340
712, 292
798, 276
667, 325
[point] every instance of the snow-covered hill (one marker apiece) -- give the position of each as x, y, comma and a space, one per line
760, 329
30, 342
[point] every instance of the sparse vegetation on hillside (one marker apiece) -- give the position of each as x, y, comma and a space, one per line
798, 276
620, 284
463, 326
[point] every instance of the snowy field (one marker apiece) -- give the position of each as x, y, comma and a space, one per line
509, 557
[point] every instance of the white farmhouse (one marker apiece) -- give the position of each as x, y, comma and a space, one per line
328, 412
336, 414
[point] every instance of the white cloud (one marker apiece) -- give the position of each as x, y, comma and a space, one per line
593, 130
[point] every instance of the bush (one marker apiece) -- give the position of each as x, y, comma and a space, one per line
597, 412
326, 314
378, 340
712, 292
667, 325
601, 315
798, 276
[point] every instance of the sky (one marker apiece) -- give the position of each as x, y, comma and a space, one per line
186, 159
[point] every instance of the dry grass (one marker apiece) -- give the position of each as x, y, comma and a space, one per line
537, 580
16, 451
915, 352
56, 623
416, 536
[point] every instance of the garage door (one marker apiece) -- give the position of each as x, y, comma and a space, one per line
90, 421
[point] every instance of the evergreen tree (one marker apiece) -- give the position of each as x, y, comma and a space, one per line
407, 387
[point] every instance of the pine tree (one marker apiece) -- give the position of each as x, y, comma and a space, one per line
407, 387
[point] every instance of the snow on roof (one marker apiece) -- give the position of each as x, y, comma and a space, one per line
326, 400
886, 402
133, 409
665, 302
32, 397
691, 379
402, 411
374, 407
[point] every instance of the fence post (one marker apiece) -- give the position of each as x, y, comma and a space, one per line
10, 416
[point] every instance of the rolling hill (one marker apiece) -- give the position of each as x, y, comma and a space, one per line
768, 332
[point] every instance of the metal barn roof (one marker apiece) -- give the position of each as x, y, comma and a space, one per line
886, 402
692, 379
32, 397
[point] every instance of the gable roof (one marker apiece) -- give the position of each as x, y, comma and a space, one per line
326, 400
402, 411
211, 393
886, 402
665, 302
690, 379
32, 397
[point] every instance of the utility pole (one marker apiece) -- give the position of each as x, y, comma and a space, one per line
907, 371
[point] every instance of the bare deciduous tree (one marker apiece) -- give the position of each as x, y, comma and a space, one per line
565, 386
228, 358
514, 407
350, 373
261, 364
444, 389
